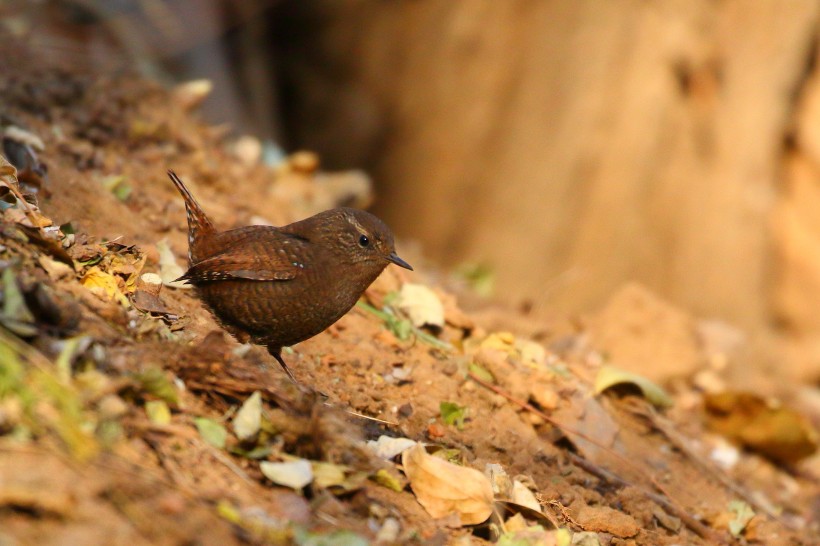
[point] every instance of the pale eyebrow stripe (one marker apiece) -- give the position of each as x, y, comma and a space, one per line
357, 225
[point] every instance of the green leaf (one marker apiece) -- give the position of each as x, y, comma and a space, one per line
401, 328
154, 381
481, 373
71, 347
453, 414
211, 431
609, 376
117, 185
384, 478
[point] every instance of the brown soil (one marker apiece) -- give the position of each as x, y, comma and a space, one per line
634, 474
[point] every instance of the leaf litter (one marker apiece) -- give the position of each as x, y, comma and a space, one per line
184, 411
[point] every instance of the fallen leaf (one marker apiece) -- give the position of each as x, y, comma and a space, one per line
387, 447
158, 412
443, 488
154, 381
523, 496
386, 479
188, 95
481, 372
766, 427
518, 533
610, 376
532, 353
248, 419
295, 474
421, 305
453, 414
169, 269
211, 431
103, 285
501, 341
330, 475
117, 185
743, 515
15, 315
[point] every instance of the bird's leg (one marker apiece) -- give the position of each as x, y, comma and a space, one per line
277, 354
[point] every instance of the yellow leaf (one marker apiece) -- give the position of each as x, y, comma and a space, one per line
444, 488
502, 341
103, 285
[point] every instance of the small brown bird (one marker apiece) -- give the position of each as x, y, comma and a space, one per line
277, 286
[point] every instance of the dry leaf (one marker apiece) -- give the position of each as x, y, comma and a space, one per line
768, 428
188, 95
523, 496
387, 447
248, 419
421, 305
444, 488
609, 376
103, 285
169, 269
294, 474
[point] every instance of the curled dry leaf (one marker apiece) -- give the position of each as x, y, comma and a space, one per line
387, 447
610, 376
444, 488
248, 419
294, 474
169, 269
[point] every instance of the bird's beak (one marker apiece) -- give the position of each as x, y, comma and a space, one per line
393, 257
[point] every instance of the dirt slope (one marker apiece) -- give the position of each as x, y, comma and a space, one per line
119, 410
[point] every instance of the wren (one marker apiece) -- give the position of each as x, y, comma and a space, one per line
277, 286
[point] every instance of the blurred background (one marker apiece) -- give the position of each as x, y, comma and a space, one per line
557, 148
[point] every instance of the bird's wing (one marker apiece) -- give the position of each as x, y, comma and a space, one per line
256, 258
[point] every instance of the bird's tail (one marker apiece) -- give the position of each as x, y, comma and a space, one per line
199, 225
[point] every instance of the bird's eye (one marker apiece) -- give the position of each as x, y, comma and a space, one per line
364, 241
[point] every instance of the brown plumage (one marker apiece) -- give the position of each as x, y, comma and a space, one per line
278, 286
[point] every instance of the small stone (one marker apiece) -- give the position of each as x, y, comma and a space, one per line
304, 162
435, 430
405, 410
112, 407
603, 519
450, 368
